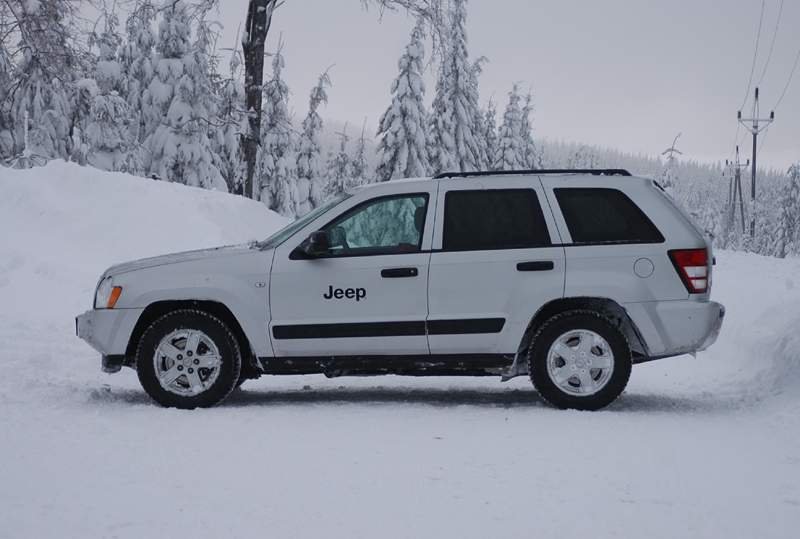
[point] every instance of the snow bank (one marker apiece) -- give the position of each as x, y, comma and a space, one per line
64, 224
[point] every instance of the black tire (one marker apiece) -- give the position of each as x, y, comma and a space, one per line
217, 331
557, 326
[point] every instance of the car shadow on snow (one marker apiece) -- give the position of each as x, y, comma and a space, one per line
428, 396
450, 397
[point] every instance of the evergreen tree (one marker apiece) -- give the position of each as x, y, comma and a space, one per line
530, 156
455, 107
462, 102
510, 147
50, 61
402, 148
583, 157
180, 149
232, 118
787, 233
311, 183
441, 143
481, 143
359, 164
339, 167
489, 132
137, 60
277, 179
107, 131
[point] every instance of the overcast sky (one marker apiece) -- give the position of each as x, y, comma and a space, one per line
620, 73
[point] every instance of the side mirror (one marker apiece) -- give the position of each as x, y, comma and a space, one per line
316, 245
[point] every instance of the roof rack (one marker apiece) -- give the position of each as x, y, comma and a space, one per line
592, 171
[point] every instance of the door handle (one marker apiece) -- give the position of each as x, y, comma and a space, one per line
539, 265
397, 273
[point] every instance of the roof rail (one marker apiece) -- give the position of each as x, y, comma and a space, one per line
592, 171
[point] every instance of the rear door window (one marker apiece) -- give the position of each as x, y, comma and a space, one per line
600, 215
493, 219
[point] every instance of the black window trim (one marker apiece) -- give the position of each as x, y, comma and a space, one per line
609, 242
504, 248
360, 205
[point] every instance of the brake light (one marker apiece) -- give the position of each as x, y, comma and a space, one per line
692, 266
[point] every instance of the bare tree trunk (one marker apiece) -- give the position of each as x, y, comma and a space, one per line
259, 19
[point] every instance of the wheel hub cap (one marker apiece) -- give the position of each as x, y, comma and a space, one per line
187, 362
580, 362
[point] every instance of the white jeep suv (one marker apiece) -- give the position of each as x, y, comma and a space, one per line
567, 276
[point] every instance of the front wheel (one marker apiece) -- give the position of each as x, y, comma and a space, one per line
188, 359
580, 360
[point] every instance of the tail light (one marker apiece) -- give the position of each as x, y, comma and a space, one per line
692, 266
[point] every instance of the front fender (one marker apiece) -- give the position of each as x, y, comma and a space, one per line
239, 283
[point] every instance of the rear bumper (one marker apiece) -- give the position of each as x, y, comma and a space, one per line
671, 328
108, 331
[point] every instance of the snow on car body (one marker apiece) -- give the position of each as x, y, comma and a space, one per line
569, 276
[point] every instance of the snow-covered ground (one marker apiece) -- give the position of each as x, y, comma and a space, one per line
696, 447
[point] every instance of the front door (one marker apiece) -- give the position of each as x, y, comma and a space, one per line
368, 296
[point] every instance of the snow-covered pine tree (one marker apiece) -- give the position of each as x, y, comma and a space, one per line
277, 178
7, 76
403, 145
359, 163
787, 233
50, 59
583, 157
137, 59
107, 131
481, 144
452, 130
509, 155
180, 149
441, 146
339, 167
530, 156
488, 132
311, 182
227, 145
462, 102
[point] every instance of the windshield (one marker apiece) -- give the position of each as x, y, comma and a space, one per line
285, 233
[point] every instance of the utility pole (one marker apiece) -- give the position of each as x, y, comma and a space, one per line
756, 126
735, 190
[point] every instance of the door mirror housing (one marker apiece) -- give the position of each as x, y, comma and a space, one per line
316, 245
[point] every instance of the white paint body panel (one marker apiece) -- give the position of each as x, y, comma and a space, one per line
264, 288
486, 284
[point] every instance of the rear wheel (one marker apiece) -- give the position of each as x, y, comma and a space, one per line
580, 360
188, 359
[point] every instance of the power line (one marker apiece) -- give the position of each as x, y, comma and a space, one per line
772, 44
789, 82
755, 55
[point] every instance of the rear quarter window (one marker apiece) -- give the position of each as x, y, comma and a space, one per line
602, 215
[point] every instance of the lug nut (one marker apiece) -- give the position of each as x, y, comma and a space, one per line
197, 362
191, 370
180, 357
189, 353
180, 367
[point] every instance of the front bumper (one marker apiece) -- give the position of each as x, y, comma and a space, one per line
671, 328
108, 331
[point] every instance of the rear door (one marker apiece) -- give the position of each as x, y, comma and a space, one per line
496, 261
368, 296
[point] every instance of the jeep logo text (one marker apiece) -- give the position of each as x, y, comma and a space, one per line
345, 293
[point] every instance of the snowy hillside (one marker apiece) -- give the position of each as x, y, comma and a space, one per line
697, 447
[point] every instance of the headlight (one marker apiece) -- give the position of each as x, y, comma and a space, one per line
107, 294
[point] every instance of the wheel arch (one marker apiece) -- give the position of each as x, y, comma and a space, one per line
605, 306
157, 309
